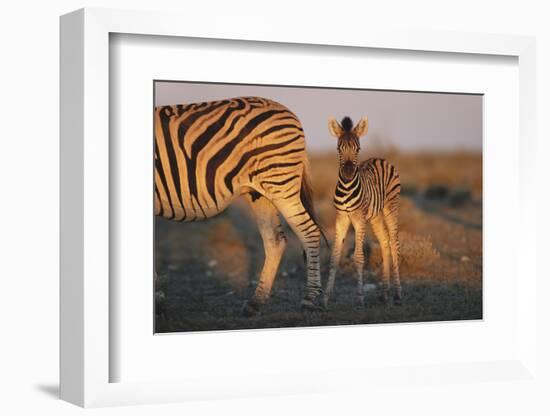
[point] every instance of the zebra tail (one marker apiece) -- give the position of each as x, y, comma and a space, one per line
306, 196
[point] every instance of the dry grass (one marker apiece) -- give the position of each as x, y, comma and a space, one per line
209, 269
417, 170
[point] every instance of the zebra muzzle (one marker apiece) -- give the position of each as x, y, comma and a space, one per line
348, 169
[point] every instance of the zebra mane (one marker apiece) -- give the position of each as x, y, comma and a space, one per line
347, 124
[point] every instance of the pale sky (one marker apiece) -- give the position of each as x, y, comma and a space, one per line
410, 121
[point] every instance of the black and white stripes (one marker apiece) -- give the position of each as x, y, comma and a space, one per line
366, 192
207, 154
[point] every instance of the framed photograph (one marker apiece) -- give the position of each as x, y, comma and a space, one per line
289, 213
413, 199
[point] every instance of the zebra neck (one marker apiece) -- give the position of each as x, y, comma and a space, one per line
346, 186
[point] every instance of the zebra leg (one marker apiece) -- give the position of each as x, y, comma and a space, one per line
381, 233
392, 223
274, 241
309, 234
359, 257
342, 226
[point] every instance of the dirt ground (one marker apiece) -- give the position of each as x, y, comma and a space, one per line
206, 271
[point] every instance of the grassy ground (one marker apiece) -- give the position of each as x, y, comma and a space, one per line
207, 270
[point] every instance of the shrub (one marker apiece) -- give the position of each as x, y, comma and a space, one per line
417, 254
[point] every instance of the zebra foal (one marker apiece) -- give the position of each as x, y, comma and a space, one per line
366, 192
207, 154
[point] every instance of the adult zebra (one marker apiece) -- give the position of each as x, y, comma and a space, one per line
207, 154
366, 192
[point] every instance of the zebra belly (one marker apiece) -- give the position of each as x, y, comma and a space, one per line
192, 209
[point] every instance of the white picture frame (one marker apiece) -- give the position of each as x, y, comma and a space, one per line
85, 354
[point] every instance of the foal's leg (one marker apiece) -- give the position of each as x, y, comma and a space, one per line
359, 225
392, 224
274, 241
342, 226
381, 234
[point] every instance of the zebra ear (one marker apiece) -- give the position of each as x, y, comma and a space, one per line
362, 127
334, 127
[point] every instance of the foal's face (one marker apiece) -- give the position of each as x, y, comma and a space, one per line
348, 143
348, 153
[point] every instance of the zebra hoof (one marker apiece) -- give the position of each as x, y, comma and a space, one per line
397, 300
313, 305
251, 308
